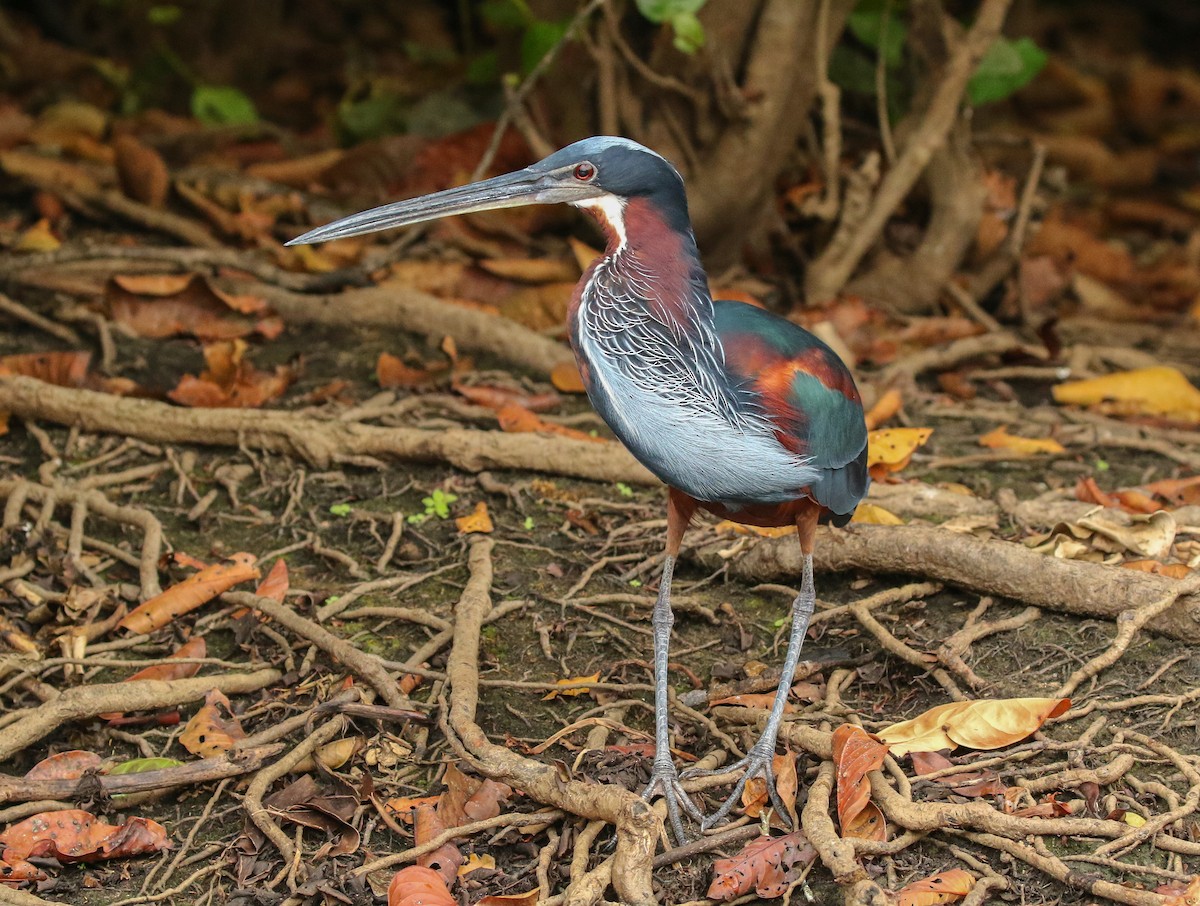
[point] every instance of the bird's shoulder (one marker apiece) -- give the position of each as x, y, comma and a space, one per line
798, 380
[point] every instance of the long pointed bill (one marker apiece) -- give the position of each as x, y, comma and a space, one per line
509, 191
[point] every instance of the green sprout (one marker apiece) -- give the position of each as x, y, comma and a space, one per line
438, 504
624, 490
340, 509
529, 523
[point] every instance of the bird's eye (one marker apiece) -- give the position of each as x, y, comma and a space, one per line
584, 172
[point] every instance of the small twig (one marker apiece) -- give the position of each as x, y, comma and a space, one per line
21, 312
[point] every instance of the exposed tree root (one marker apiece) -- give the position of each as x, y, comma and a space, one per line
83, 702
638, 828
986, 566
232, 764
321, 443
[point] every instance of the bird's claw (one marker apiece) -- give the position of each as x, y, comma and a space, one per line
664, 780
755, 764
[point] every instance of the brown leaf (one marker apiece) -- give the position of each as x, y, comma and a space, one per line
275, 585
468, 798
417, 885
38, 238
499, 397
986, 724
529, 898
392, 372
73, 835
141, 172
752, 699
565, 377
766, 865
231, 380
884, 409
532, 270
755, 796
940, 888
973, 784
191, 593
517, 419
186, 306
405, 807
1171, 570
192, 648
64, 766
446, 859
542, 307
855, 754
14, 871
211, 732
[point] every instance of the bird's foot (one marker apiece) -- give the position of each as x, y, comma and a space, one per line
756, 764
664, 781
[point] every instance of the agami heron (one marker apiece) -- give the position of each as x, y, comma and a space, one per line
739, 411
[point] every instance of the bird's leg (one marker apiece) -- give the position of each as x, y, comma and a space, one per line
758, 760
665, 779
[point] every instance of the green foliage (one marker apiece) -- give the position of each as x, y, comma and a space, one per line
222, 105
166, 14
141, 765
438, 504
876, 24
529, 523
1007, 67
681, 16
624, 490
538, 36
340, 509
379, 113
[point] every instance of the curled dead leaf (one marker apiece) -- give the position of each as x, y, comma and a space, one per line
416, 885
985, 724
191, 593
476, 522
214, 729
1000, 439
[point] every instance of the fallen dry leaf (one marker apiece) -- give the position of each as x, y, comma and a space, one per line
73, 835
964, 783
141, 172
276, 584
986, 724
1000, 439
565, 377
470, 798
499, 397
570, 681
755, 796
873, 514
65, 766
763, 531
446, 859
416, 885
940, 888
890, 449
885, 408
157, 306
1170, 570
392, 372
214, 729
766, 865
474, 863
64, 369
476, 522
855, 754
230, 381
191, 593
532, 270
518, 420
1159, 391
762, 700
528, 898
405, 807
38, 238
1183, 896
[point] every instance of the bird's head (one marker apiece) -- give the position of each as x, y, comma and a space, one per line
602, 173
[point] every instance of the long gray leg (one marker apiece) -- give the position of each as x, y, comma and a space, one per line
665, 779
758, 760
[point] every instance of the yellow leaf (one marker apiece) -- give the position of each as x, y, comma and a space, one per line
571, 681
476, 522
885, 407
870, 514
531, 270
1144, 391
38, 238
528, 898
736, 528
890, 449
1133, 819
584, 253
987, 724
474, 863
1000, 439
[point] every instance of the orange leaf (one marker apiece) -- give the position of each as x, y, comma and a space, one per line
192, 648
1171, 570
571, 681
518, 419
186, 306
869, 824
417, 885
211, 732
499, 397
755, 797
405, 806
885, 407
752, 700
38, 238
73, 835
469, 798
1000, 439
474, 863
940, 888
855, 754
446, 859
275, 585
1184, 896
585, 255
391, 372
529, 898
66, 369
16, 871
230, 380
141, 172
1177, 490
64, 766
476, 522
768, 531
987, 724
565, 377
189, 594
532, 270
766, 865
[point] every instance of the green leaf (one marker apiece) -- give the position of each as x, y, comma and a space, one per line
877, 26
340, 509
141, 765
506, 13
222, 105
1007, 67
163, 15
689, 33
529, 523
635, 583
661, 11
624, 490
381, 113
538, 40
